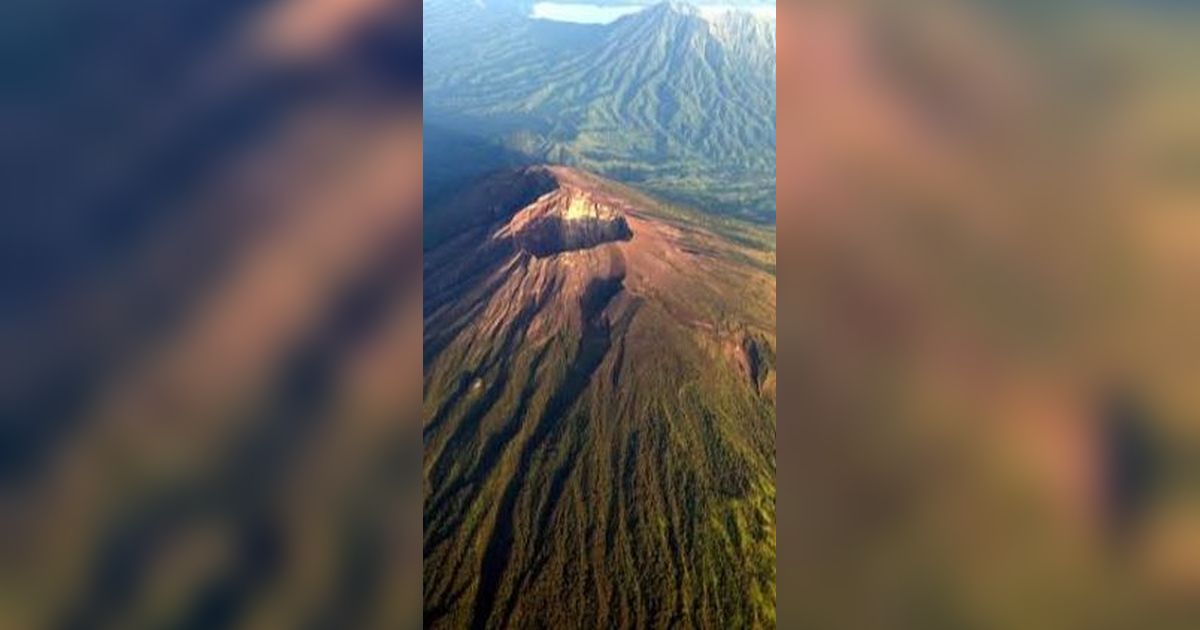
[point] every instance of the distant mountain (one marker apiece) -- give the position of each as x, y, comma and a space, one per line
599, 419
677, 103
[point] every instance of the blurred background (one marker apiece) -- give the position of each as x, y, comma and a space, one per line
989, 411
210, 329
209, 314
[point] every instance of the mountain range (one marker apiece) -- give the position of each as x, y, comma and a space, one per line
599, 317
677, 103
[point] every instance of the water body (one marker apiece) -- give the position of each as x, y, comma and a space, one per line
597, 14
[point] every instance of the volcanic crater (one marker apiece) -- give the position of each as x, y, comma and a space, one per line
568, 218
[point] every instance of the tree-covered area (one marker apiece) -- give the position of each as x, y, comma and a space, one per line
676, 103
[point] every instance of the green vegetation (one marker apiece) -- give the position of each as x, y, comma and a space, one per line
666, 100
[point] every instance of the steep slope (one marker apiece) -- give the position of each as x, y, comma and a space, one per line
682, 104
599, 416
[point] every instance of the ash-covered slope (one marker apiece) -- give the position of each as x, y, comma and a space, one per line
599, 415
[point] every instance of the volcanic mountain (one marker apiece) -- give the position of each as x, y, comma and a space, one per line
599, 410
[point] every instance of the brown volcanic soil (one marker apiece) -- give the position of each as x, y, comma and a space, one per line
591, 448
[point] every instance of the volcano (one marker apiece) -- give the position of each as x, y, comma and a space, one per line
599, 414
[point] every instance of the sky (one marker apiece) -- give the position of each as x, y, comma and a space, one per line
603, 14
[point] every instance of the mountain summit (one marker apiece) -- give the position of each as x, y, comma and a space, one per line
599, 411
569, 218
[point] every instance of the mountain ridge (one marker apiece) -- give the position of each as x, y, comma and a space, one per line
675, 103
